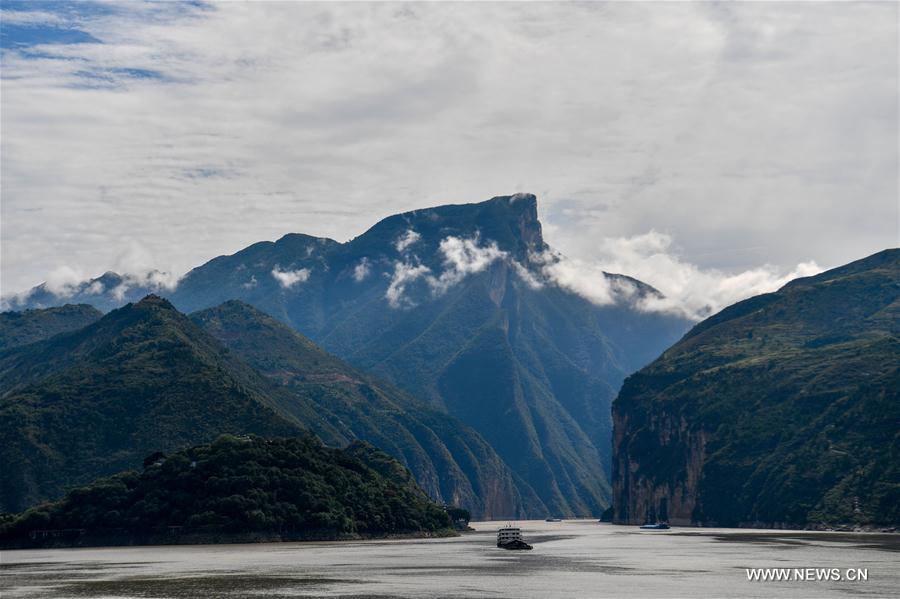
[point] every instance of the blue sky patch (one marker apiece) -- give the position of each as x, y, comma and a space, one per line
22, 36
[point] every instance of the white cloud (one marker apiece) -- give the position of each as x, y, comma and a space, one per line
95, 288
64, 281
33, 17
577, 276
251, 284
527, 277
404, 274
687, 289
463, 257
154, 279
290, 278
119, 291
753, 133
361, 270
406, 240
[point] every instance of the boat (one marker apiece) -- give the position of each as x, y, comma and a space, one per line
553, 520
510, 537
654, 521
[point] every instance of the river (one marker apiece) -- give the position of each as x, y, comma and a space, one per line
577, 559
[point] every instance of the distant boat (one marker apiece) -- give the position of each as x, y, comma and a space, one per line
553, 520
656, 526
654, 521
510, 537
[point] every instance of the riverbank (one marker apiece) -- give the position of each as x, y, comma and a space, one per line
70, 539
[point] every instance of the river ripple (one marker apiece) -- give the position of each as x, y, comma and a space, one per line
577, 559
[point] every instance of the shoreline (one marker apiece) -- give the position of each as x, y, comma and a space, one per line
761, 528
162, 539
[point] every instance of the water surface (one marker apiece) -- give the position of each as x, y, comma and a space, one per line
577, 558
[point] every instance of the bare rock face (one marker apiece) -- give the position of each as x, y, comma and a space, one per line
528, 225
641, 493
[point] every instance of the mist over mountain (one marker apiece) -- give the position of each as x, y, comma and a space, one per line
463, 307
106, 292
467, 308
456, 305
779, 410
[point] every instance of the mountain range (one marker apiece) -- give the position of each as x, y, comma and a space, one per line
96, 400
456, 306
22, 328
781, 410
340, 404
144, 378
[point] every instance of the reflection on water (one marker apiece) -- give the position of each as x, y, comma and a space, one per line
570, 559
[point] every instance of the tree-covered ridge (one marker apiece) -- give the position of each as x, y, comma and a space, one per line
22, 328
780, 409
95, 401
451, 461
288, 487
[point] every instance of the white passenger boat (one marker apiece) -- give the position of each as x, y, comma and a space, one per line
510, 537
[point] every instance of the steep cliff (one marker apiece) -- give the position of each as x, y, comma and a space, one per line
781, 410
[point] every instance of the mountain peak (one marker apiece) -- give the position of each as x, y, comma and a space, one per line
154, 301
509, 221
522, 201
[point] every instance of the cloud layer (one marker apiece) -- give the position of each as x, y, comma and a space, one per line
680, 287
746, 138
685, 288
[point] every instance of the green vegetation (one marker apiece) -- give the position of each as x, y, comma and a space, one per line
533, 371
292, 488
96, 401
796, 395
22, 328
451, 461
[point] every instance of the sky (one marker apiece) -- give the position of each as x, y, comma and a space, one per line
713, 150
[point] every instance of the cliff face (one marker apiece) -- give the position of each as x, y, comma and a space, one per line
638, 493
779, 411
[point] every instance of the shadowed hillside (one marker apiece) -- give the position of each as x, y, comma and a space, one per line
280, 488
781, 409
